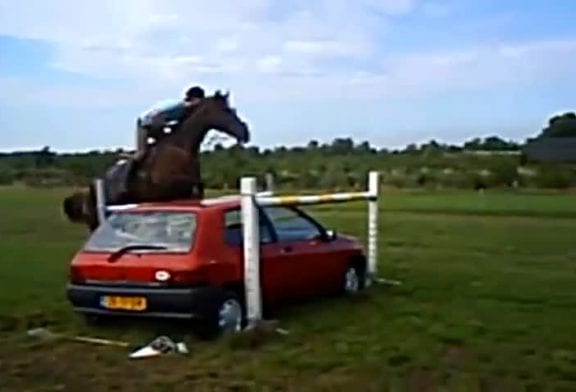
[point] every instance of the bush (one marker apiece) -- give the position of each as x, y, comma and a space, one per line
555, 177
7, 176
458, 179
504, 174
47, 177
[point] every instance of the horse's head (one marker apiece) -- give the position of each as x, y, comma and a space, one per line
218, 115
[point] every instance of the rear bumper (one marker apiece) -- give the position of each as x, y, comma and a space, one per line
161, 302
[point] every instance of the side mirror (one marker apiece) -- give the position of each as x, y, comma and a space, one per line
331, 235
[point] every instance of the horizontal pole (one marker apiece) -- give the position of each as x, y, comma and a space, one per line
314, 199
264, 194
121, 207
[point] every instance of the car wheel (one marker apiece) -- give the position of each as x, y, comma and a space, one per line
230, 316
353, 281
220, 312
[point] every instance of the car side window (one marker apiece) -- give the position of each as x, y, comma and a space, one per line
291, 226
233, 229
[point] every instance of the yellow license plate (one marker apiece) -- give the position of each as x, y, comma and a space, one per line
125, 303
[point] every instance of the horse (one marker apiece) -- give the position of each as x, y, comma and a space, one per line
168, 170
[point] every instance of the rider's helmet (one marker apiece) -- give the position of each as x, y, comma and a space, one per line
195, 92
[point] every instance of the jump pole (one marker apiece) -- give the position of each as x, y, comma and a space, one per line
251, 235
101, 207
373, 191
270, 183
100, 200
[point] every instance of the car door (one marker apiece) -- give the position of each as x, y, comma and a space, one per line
297, 252
272, 270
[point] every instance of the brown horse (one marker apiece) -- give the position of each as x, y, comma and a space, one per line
169, 170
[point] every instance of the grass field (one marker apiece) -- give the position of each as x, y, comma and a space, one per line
487, 304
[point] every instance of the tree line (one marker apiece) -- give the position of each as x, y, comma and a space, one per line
339, 164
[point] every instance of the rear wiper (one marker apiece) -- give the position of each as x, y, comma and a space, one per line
118, 253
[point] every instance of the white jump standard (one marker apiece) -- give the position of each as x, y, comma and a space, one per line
250, 199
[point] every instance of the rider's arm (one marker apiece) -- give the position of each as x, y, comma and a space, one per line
175, 112
151, 117
163, 114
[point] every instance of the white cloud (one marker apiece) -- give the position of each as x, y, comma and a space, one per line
273, 77
328, 48
179, 40
269, 64
263, 49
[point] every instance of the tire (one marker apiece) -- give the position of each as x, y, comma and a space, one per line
220, 312
353, 279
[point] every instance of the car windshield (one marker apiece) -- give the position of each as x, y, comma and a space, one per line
164, 231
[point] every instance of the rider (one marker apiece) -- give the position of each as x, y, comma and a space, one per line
152, 123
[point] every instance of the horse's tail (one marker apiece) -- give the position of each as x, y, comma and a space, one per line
72, 206
92, 208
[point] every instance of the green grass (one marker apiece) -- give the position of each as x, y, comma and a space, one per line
486, 304
490, 203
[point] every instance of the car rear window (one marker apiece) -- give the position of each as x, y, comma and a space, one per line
173, 231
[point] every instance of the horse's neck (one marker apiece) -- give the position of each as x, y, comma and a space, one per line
190, 136
197, 137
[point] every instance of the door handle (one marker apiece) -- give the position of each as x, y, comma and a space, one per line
286, 249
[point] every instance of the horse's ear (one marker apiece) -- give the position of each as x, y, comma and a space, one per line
222, 97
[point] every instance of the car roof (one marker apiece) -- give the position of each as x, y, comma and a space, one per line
222, 202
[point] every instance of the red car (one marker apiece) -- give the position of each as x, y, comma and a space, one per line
185, 260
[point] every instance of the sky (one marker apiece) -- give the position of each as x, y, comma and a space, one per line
76, 76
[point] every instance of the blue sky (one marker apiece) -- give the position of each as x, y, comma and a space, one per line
388, 71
